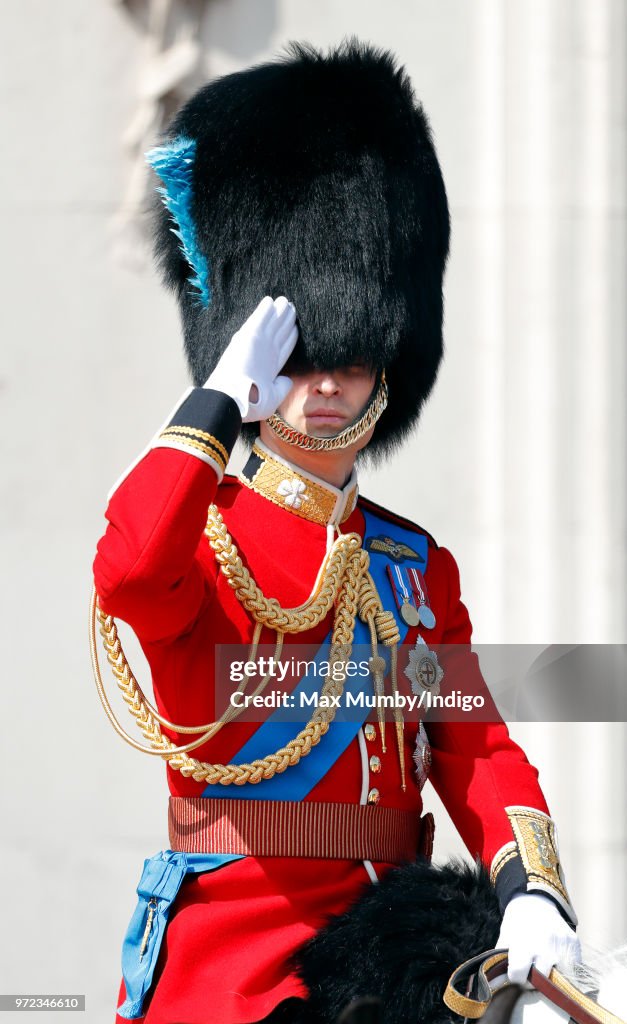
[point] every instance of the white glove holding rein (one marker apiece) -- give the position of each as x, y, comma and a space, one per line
253, 358
534, 932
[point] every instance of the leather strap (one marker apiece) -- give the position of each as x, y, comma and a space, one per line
478, 966
283, 828
560, 991
480, 970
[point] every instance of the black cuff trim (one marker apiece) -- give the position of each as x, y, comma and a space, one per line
512, 881
212, 412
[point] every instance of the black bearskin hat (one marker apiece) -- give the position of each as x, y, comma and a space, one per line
315, 177
400, 942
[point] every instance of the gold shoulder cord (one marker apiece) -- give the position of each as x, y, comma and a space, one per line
343, 581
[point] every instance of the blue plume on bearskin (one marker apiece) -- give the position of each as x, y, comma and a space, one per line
174, 164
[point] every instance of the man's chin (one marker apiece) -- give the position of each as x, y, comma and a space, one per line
322, 429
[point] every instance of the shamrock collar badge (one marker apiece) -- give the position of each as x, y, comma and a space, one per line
293, 492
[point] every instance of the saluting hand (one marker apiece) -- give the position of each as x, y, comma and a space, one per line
248, 370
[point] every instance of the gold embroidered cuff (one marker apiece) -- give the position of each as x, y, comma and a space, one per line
535, 848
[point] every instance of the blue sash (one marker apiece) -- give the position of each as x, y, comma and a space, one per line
163, 874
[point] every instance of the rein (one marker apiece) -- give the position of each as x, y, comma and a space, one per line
475, 975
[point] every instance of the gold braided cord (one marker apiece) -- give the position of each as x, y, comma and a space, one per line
346, 437
344, 580
139, 705
263, 768
389, 635
266, 610
146, 717
383, 626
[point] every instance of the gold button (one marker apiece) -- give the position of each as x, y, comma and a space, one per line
374, 796
375, 764
370, 732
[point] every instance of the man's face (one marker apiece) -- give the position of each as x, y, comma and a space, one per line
324, 402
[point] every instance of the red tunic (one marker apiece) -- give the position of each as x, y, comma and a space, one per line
231, 932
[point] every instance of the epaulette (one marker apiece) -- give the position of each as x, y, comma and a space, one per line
394, 518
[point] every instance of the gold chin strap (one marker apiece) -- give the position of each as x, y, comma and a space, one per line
346, 437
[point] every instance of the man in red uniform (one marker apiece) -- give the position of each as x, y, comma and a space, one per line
315, 178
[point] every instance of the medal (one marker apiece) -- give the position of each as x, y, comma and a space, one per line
403, 595
419, 589
409, 614
426, 616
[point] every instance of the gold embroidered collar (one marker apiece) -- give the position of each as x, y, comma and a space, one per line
306, 496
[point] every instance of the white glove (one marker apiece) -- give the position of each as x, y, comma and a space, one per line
534, 932
253, 358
